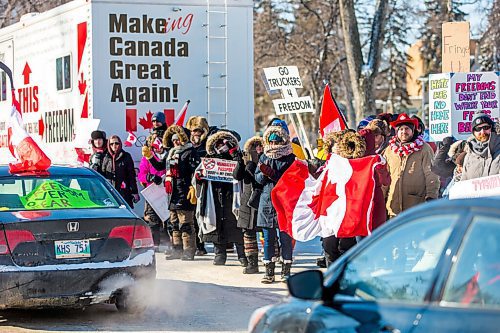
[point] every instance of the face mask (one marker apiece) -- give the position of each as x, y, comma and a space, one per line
222, 149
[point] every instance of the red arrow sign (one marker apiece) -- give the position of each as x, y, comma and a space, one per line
26, 73
82, 84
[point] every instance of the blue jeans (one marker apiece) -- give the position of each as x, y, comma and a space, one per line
270, 235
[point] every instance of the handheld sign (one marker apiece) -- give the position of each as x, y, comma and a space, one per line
217, 170
476, 188
455, 97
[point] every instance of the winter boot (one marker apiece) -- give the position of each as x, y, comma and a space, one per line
253, 265
243, 261
174, 253
269, 277
189, 246
220, 254
285, 271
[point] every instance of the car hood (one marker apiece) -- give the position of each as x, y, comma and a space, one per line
65, 214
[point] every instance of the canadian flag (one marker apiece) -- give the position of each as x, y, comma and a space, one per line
131, 139
156, 144
330, 118
181, 116
339, 202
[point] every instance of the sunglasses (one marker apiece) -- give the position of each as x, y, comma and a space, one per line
486, 128
114, 143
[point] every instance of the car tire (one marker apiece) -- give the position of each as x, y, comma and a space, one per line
126, 303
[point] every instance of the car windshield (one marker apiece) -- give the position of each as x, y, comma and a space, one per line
50, 193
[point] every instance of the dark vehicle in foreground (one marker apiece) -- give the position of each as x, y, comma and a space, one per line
67, 238
434, 268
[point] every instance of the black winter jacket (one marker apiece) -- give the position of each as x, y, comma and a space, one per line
119, 170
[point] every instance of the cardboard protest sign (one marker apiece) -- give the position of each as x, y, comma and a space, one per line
456, 47
53, 195
218, 170
476, 188
158, 199
473, 92
439, 106
455, 97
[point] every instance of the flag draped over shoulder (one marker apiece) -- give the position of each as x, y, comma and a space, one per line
21, 145
330, 118
339, 202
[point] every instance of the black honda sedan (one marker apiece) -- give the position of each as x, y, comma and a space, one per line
434, 268
67, 238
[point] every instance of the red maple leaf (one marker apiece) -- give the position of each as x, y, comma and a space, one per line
147, 123
324, 199
82, 85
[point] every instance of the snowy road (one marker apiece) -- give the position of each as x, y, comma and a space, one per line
186, 297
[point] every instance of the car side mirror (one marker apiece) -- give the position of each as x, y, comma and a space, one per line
307, 285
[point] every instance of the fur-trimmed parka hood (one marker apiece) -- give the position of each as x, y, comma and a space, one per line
175, 129
280, 149
349, 144
252, 143
198, 122
219, 135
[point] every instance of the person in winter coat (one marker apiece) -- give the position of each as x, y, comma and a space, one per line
247, 217
99, 150
198, 126
382, 177
277, 158
159, 125
483, 149
118, 168
443, 163
347, 144
148, 175
409, 161
179, 165
381, 134
222, 145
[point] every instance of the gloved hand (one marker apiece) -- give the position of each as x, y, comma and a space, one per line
191, 196
153, 178
146, 152
135, 198
267, 170
231, 148
168, 185
199, 174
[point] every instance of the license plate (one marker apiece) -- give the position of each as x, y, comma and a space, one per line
72, 249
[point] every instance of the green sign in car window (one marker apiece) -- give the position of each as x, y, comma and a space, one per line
53, 195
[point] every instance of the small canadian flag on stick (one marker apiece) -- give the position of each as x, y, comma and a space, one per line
131, 139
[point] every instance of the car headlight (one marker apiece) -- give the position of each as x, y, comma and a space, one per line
257, 316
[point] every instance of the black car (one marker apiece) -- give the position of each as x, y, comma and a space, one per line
434, 268
67, 238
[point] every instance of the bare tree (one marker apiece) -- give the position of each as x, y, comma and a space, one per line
362, 74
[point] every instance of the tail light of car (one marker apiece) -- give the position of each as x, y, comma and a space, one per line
137, 237
12, 238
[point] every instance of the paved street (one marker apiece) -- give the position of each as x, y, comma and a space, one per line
186, 297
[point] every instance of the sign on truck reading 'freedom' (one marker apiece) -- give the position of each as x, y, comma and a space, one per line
455, 97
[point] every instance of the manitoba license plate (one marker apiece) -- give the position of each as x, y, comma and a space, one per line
72, 249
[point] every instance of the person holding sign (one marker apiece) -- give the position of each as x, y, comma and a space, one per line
409, 163
222, 145
277, 158
118, 168
483, 156
180, 164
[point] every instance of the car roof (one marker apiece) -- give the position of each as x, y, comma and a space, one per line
54, 170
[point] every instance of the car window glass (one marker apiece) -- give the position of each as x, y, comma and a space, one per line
26, 193
475, 278
399, 265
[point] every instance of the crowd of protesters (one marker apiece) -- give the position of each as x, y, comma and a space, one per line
201, 210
